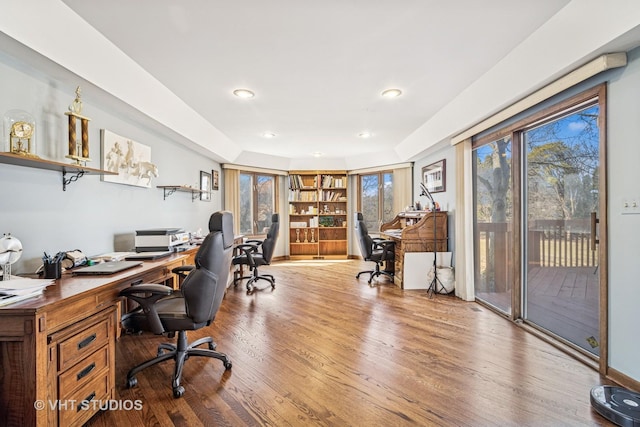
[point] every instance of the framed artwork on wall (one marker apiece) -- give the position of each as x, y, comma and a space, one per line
129, 159
215, 183
434, 176
205, 186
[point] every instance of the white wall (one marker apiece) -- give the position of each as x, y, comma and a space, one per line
447, 198
623, 126
90, 215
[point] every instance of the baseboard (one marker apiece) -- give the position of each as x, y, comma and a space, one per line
623, 379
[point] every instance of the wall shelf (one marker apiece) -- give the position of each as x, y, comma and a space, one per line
170, 189
77, 171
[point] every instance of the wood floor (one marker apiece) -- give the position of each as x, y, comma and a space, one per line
326, 349
563, 300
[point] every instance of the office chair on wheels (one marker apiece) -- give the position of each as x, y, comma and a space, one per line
256, 253
165, 311
374, 249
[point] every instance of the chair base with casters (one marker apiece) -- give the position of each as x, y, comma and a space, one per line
179, 352
254, 278
253, 258
375, 273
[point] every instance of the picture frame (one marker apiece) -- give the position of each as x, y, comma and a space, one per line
434, 176
205, 186
215, 181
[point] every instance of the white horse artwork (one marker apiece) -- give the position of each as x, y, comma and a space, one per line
129, 159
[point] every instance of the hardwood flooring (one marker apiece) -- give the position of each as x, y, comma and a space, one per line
324, 348
563, 300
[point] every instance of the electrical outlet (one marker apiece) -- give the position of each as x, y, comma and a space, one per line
631, 206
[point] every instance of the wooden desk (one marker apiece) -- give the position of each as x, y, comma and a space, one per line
59, 349
414, 232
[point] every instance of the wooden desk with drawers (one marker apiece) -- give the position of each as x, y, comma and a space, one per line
415, 232
58, 350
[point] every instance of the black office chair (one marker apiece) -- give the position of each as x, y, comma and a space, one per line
163, 311
183, 270
374, 249
256, 253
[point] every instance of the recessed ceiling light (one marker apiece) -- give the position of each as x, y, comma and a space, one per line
268, 135
364, 134
317, 154
392, 93
243, 93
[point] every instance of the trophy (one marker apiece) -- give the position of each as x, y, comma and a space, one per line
313, 232
297, 235
306, 240
78, 152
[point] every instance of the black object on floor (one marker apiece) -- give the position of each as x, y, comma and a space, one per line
617, 404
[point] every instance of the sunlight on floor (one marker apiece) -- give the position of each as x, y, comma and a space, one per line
311, 263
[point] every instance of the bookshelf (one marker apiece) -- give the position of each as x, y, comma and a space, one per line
318, 215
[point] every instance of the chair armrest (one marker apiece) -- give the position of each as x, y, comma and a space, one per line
183, 270
249, 249
254, 242
140, 294
386, 246
152, 288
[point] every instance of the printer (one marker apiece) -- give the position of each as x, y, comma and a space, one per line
160, 239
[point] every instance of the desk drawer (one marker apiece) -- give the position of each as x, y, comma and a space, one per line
84, 372
80, 345
92, 394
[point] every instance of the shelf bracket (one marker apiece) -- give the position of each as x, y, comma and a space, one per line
194, 196
71, 179
167, 192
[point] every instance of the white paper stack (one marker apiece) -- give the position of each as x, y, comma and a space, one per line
21, 288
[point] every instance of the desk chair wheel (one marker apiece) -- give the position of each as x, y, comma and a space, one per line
178, 391
132, 382
228, 365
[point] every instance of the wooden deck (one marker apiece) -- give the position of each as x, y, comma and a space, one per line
326, 349
563, 300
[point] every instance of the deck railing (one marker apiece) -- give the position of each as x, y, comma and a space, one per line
551, 243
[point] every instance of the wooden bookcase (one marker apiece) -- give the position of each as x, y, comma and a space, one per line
318, 215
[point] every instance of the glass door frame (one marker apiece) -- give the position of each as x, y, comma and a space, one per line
517, 170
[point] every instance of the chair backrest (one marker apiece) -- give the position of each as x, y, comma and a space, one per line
269, 244
203, 289
364, 240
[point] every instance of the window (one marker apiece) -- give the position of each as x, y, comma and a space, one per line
376, 199
257, 202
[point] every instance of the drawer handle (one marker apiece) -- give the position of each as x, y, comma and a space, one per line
137, 282
84, 403
86, 371
85, 342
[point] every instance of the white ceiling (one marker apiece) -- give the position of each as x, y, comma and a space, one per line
317, 68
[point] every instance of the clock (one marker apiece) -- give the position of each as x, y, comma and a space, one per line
22, 130
20, 133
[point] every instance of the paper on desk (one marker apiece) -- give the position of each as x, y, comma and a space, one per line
23, 285
112, 256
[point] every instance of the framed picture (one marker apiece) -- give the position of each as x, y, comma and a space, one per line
434, 176
205, 186
129, 159
216, 180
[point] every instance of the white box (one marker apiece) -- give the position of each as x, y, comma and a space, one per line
417, 265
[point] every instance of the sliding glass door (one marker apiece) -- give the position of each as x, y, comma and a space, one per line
538, 219
561, 276
493, 233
